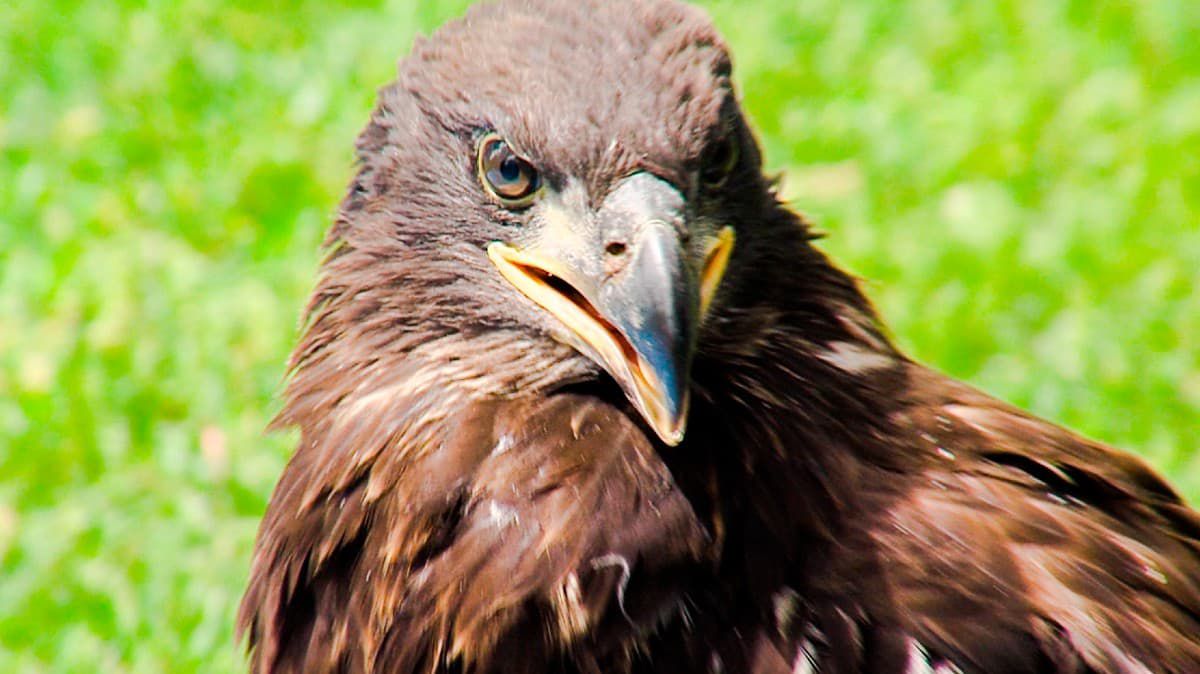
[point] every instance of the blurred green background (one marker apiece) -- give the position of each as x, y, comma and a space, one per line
1018, 181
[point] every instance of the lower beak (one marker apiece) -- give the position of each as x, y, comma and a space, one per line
639, 323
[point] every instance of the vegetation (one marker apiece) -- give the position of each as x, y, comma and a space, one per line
1018, 182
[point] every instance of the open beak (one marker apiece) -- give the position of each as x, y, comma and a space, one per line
636, 311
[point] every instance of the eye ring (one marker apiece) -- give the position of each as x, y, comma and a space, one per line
507, 177
720, 161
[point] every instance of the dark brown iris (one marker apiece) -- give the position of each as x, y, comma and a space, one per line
508, 177
719, 161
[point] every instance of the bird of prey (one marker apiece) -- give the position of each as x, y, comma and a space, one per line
577, 393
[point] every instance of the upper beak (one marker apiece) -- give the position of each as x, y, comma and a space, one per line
633, 308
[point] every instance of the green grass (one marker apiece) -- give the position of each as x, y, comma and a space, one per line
1019, 182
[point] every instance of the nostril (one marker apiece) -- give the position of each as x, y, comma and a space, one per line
615, 248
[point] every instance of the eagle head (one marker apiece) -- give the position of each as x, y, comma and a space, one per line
547, 196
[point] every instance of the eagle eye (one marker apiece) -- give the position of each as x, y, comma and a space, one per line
720, 161
513, 181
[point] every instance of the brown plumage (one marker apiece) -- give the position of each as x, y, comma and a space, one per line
477, 491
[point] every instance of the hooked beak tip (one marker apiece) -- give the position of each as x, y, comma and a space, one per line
665, 409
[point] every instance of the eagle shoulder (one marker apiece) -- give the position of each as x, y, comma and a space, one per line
1019, 546
502, 535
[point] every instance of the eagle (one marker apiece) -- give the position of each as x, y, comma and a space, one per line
577, 391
